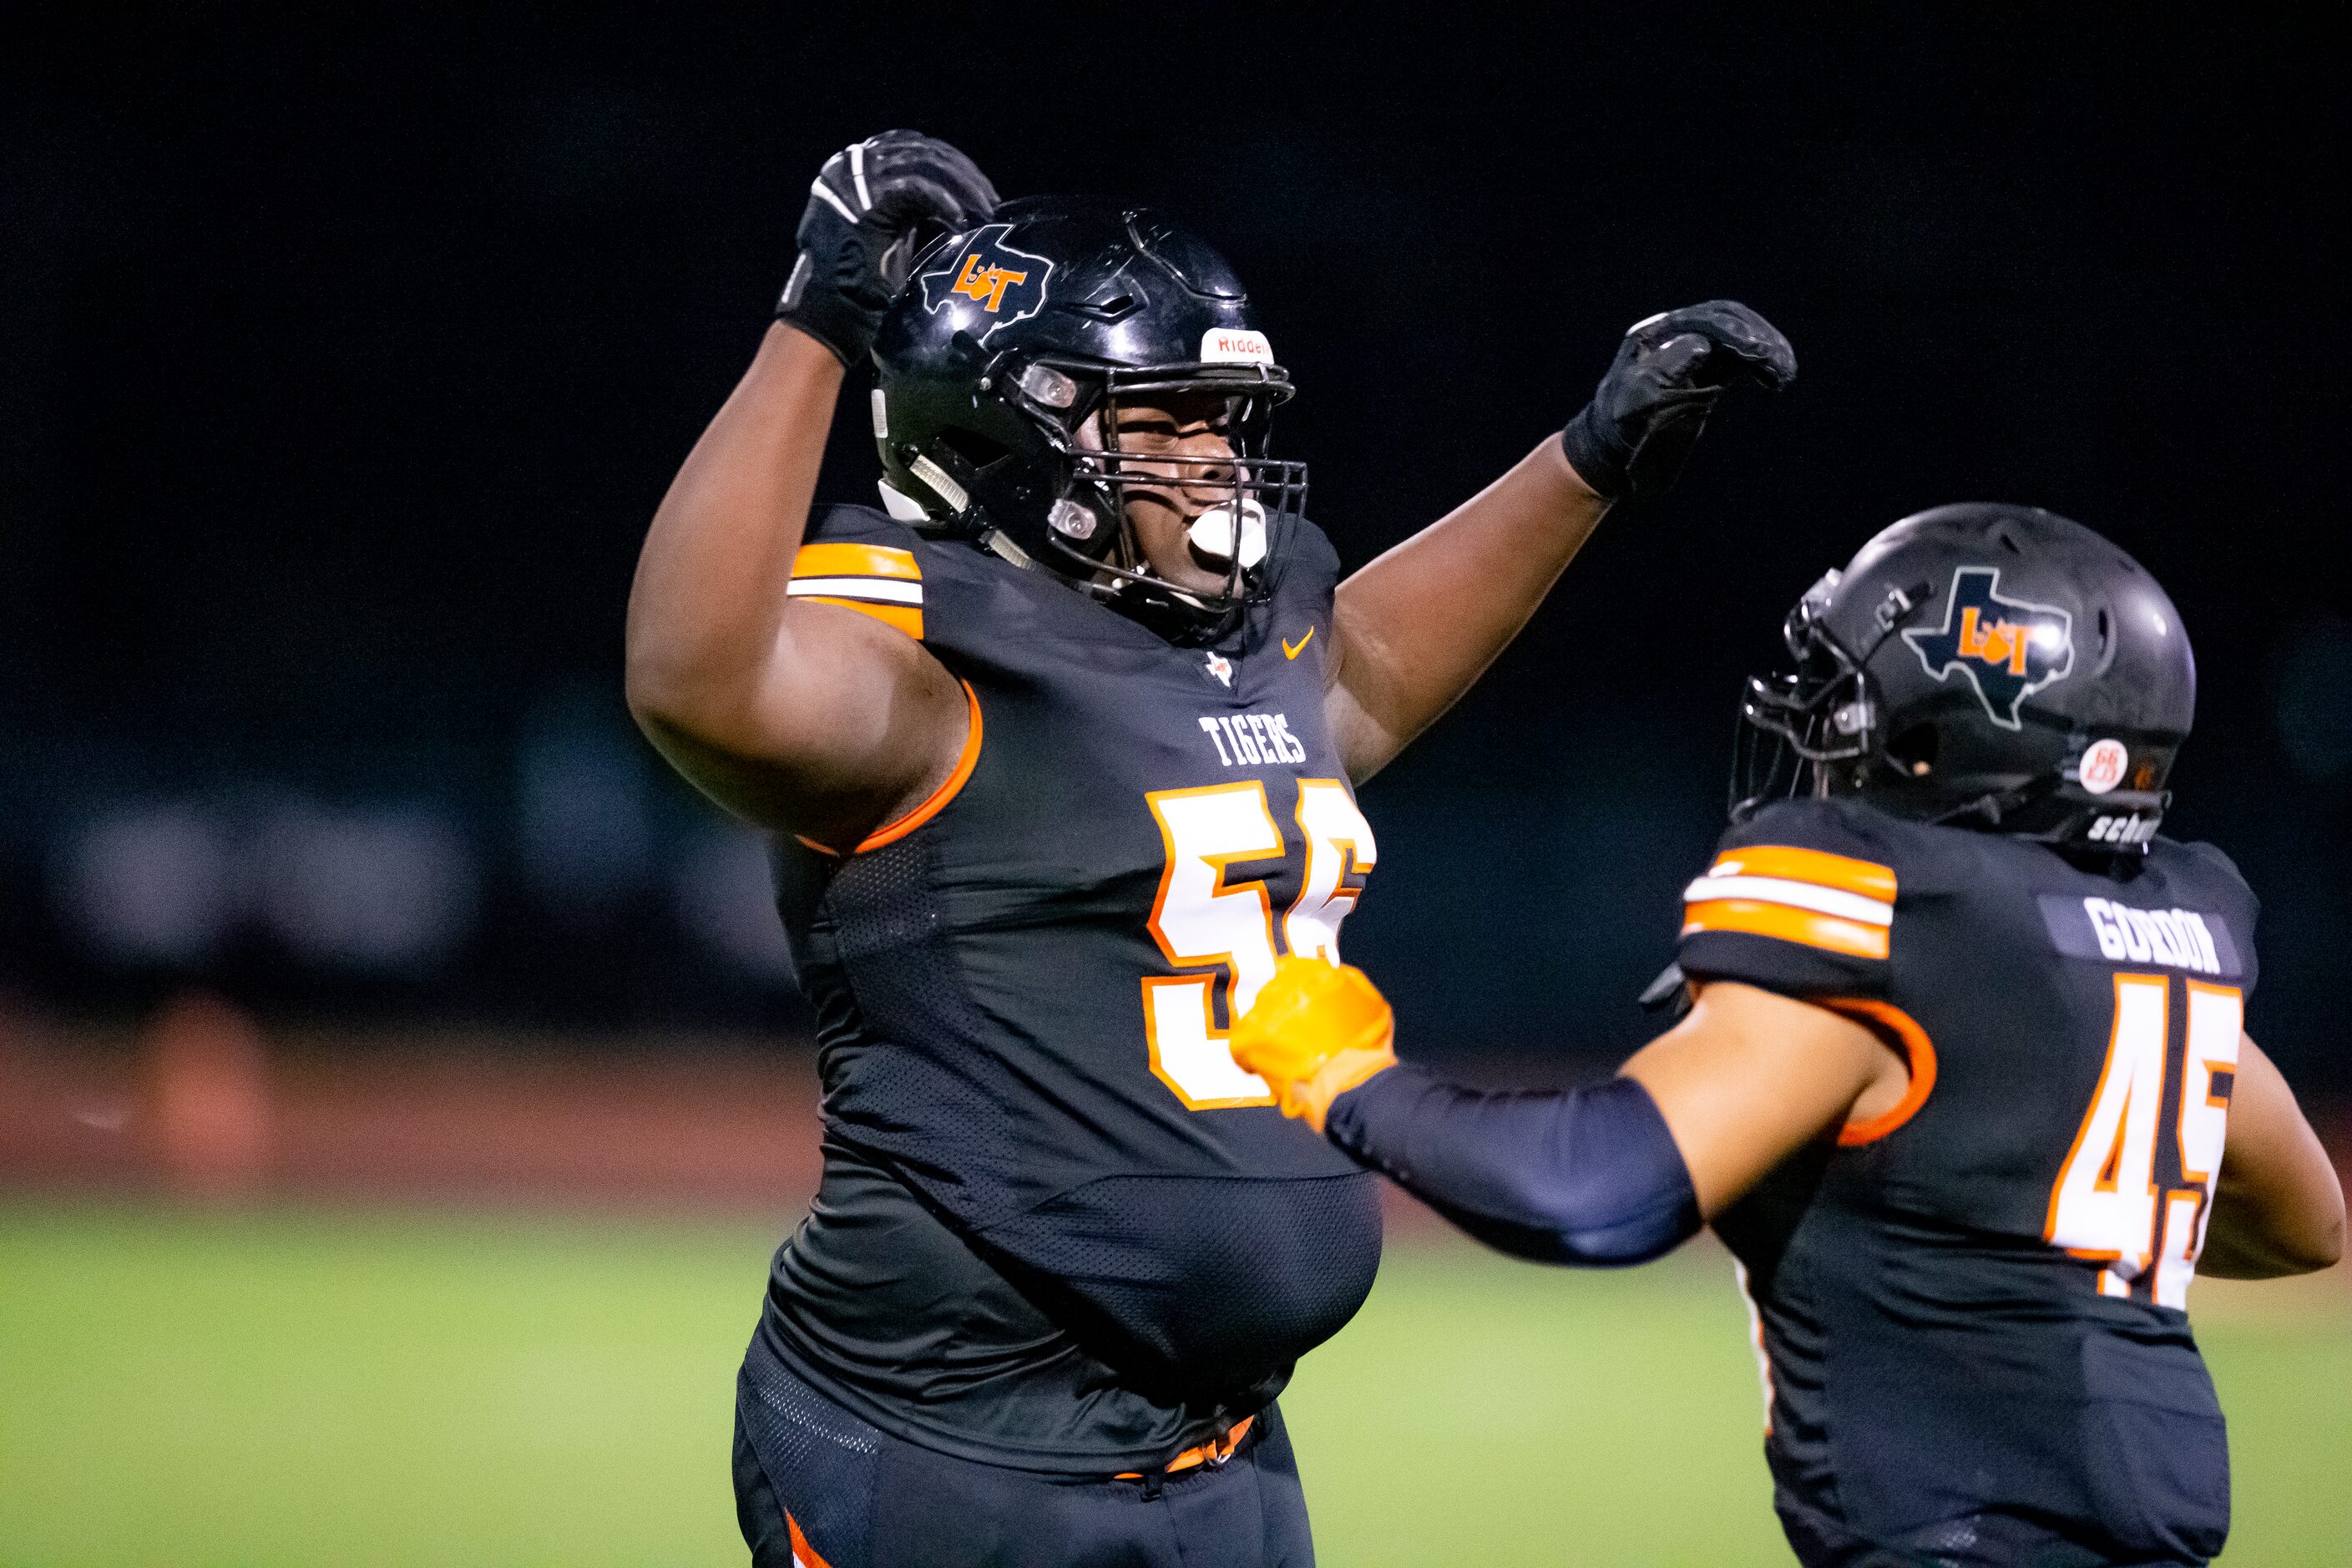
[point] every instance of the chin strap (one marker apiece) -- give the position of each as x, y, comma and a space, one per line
1668, 993
1992, 813
995, 539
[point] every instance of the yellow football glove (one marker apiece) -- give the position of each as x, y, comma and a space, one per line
1316, 1031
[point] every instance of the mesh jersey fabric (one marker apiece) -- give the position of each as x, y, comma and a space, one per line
814, 1484
1945, 1379
1028, 1246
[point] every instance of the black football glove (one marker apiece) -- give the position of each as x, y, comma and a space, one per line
1631, 438
868, 207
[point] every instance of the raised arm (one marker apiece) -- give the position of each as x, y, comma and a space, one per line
2278, 1208
805, 717
1411, 630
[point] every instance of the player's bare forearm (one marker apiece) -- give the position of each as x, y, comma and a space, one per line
803, 717
1414, 629
708, 597
1749, 1077
2278, 1209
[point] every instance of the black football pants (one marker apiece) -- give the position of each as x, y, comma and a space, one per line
1981, 1541
859, 1497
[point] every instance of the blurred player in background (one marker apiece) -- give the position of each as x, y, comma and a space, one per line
1059, 752
1964, 1082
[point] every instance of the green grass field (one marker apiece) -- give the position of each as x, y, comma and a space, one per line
338, 1388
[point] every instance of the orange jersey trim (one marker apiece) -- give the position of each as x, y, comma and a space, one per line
933, 803
803, 1553
856, 561
1916, 1046
2098, 1093
1205, 986
1215, 1451
2181, 1123
937, 801
906, 618
1752, 918
1866, 877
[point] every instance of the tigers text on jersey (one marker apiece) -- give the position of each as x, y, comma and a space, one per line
1972, 1306
1058, 1227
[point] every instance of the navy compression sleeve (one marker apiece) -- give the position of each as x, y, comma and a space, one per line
1588, 1176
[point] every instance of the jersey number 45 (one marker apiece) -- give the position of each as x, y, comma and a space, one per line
2137, 1187
1202, 920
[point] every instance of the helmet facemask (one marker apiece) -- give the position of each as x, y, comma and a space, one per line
1800, 729
1819, 729
998, 413
1824, 729
1234, 501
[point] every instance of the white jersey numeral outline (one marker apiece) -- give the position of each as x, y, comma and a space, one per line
1202, 920
2105, 1206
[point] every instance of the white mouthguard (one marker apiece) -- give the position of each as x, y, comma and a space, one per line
1211, 534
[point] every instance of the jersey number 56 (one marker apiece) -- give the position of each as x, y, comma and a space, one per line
1202, 920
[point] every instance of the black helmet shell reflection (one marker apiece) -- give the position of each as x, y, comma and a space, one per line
1998, 666
1007, 343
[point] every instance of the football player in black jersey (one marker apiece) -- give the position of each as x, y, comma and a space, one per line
1964, 1081
1059, 749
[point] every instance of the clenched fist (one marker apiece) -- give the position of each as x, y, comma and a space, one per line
868, 209
1669, 371
1316, 1031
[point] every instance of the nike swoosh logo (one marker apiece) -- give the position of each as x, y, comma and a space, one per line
1290, 652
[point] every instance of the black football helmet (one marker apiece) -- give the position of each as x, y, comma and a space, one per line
1006, 342
1998, 667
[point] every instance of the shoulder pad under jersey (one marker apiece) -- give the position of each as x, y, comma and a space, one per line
860, 560
1799, 899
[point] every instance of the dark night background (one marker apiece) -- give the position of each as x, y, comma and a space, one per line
344, 362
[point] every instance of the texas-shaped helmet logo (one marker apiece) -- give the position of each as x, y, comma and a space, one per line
989, 280
2008, 648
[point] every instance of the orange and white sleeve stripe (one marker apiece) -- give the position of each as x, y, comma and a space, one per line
873, 579
1808, 896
